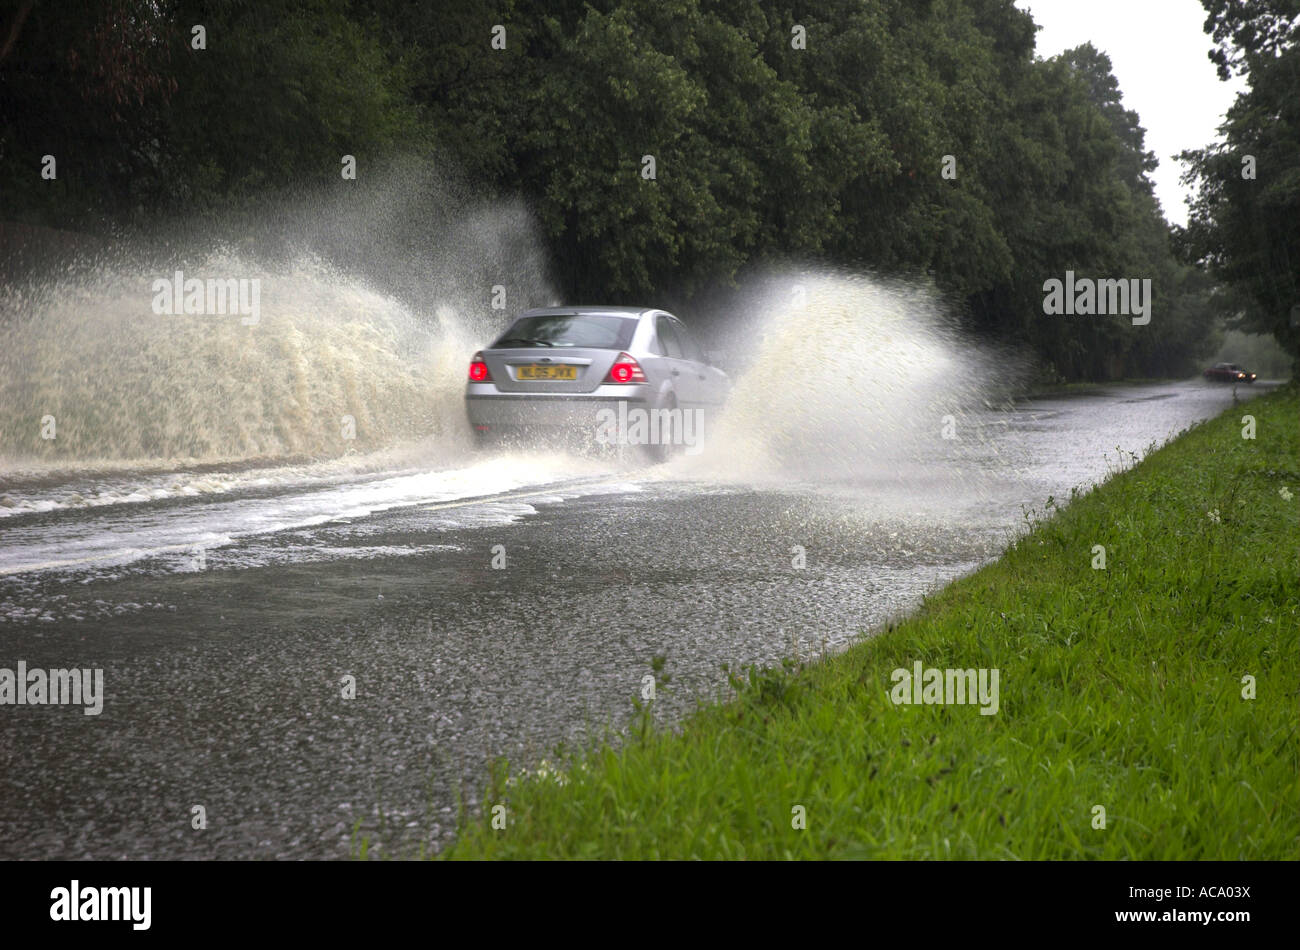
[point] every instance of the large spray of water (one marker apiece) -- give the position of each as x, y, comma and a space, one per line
839, 375
369, 303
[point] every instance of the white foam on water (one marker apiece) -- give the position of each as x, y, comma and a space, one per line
485, 492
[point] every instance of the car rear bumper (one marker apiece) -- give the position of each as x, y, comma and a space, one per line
485, 405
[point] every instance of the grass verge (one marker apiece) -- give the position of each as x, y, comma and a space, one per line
1119, 688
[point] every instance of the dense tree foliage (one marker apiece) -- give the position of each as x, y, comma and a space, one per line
1245, 222
912, 137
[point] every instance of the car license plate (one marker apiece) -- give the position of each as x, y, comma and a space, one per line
538, 371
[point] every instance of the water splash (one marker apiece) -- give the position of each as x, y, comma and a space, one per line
844, 374
370, 305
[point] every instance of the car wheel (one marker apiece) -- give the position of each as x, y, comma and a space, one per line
658, 453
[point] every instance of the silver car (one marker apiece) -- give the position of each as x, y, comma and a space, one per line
614, 375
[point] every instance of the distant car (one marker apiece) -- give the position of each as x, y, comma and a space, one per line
561, 370
1228, 373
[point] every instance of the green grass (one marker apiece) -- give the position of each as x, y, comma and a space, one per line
1119, 687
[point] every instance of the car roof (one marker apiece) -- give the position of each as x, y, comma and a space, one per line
609, 311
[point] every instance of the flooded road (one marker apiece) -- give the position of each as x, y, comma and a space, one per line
483, 607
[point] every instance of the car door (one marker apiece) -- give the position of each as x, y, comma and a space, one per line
710, 382
685, 378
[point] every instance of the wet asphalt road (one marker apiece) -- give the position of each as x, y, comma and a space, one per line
224, 680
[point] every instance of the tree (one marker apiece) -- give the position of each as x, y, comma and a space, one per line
1244, 225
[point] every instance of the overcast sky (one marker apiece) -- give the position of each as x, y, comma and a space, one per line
1158, 54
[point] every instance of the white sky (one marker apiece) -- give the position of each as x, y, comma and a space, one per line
1158, 54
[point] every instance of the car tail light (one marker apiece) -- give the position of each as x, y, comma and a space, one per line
625, 370
478, 370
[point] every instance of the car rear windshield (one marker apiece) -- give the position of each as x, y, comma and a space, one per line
600, 331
